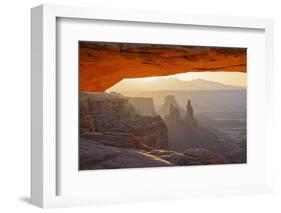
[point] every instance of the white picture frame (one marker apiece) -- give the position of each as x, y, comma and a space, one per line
44, 154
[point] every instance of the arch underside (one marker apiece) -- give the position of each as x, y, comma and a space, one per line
101, 65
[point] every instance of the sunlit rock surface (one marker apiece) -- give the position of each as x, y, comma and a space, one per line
104, 64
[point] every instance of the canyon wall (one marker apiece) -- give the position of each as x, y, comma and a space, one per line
143, 106
113, 135
110, 113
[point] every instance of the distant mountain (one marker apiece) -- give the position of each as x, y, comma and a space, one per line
170, 84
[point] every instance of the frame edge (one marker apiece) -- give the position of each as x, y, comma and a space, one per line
37, 106
42, 28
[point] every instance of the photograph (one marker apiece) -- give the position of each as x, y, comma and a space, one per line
161, 105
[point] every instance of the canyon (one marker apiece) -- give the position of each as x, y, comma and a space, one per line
182, 115
114, 135
114, 113
186, 132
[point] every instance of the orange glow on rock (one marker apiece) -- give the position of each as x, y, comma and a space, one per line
104, 64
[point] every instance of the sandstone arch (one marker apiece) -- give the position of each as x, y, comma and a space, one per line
102, 65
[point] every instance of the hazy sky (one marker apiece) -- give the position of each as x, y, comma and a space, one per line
228, 78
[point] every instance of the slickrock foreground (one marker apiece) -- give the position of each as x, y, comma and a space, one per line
102, 153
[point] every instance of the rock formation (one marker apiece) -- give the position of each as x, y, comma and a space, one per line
103, 151
145, 60
205, 156
111, 113
190, 157
173, 117
122, 140
113, 135
189, 118
186, 134
86, 125
143, 106
102, 103
95, 155
165, 109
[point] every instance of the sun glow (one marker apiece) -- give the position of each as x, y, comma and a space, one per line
228, 78
175, 82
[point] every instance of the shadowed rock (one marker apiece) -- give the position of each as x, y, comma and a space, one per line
173, 117
114, 139
143, 106
113, 113
205, 156
112, 150
169, 101
94, 155
91, 151
190, 157
189, 118
86, 125
187, 133
175, 157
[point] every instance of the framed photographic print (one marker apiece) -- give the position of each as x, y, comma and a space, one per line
130, 106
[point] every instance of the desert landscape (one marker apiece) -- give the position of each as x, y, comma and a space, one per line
147, 106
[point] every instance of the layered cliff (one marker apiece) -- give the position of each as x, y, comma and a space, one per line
111, 113
143, 106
